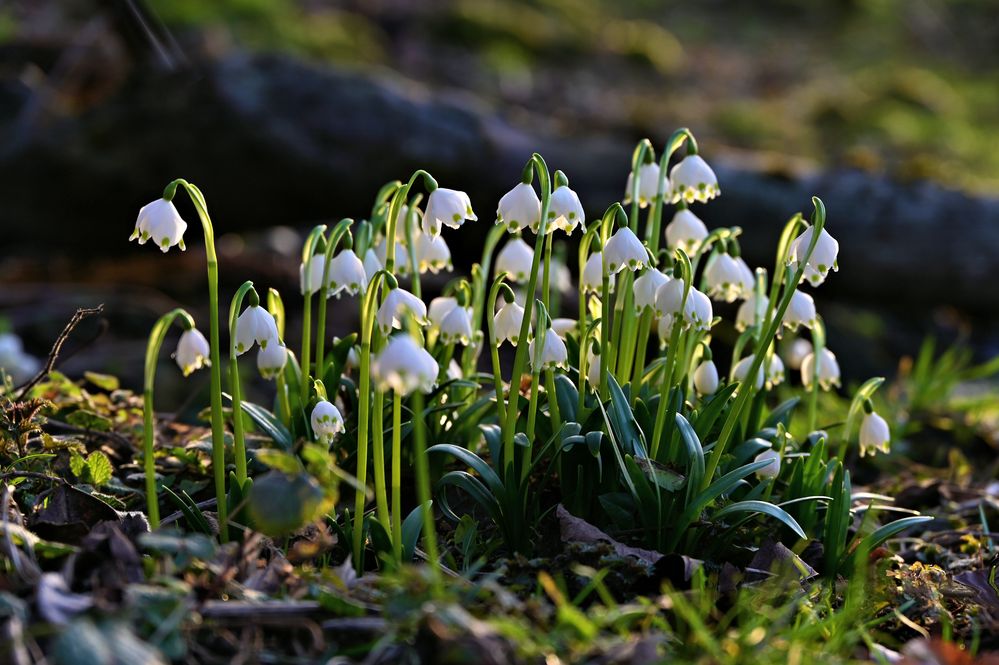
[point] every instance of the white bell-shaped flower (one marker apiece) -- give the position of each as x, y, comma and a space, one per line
823, 258
456, 327
565, 212
775, 371
255, 325
827, 370
405, 366
271, 361
701, 313
310, 276
446, 207
669, 299
646, 286
516, 259
519, 209
401, 220
553, 354
799, 349
625, 251
772, 470
686, 231
563, 326
740, 372
648, 185
800, 311
432, 254
706, 378
326, 422
592, 369
160, 222
372, 263
439, 308
192, 351
726, 278
875, 435
346, 273
507, 322
751, 308
397, 305
593, 274
693, 180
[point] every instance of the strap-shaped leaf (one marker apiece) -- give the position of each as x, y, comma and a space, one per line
470, 459
761, 508
695, 455
268, 423
412, 526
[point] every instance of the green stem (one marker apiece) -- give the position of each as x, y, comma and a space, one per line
378, 455
148, 430
423, 491
397, 475
494, 355
411, 247
308, 256
238, 435
341, 229
644, 327
218, 430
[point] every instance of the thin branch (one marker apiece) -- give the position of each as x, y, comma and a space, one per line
79, 316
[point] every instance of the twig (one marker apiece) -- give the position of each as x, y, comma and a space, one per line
32, 474
79, 316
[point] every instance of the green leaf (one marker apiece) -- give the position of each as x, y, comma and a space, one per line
762, 508
281, 503
710, 412
412, 526
782, 413
103, 381
279, 460
879, 536
77, 464
567, 397
89, 420
629, 434
268, 423
470, 459
99, 468
695, 455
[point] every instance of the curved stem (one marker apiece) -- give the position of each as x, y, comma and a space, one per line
308, 256
218, 431
494, 355
397, 475
153, 347
238, 436
341, 229
378, 458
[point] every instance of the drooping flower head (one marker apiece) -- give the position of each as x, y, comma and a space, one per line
796, 354
507, 322
255, 325
432, 254
520, 208
346, 274
827, 370
625, 251
160, 222
706, 378
456, 326
271, 361
565, 212
648, 184
693, 180
701, 314
823, 258
771, 470
751, 311
397, 305
192, 351
516, 259
593, 273
875, 435
552, 354
446, 207
405, 366
741, 372
686, 231
326, 422
800, 312
646, 287
728, 277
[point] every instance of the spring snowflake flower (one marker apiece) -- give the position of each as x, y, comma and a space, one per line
346, 273
772, 470
326, 422
565, 212
432, 254
701, 314
507, 322
160, 222
563, 326
593, 273
625, 251
405, 366
648, 184
646, 287
823, 258
693, 180
403, 266
686, 231
456, 327
397, 304
271, 361
728, 277
372, 263
741, 372
192, 351
448, 207
706, 378
519, 208
875, 435
440, 307
516, 259
255, 324
592, 369
827, 370
800, 311
310, 276
745, 317
669, 299
553, 354
800, 348
775, 371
